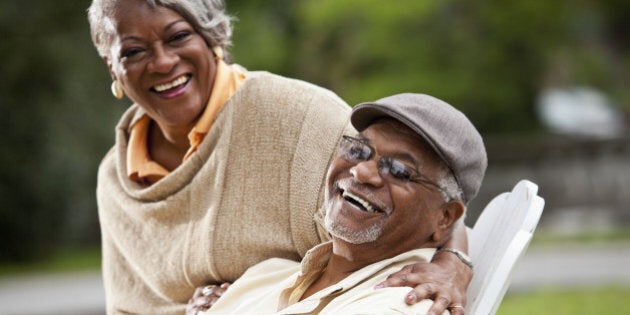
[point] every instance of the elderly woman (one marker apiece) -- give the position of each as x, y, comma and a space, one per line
214, 168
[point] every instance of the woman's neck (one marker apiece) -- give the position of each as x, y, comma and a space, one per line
167, 146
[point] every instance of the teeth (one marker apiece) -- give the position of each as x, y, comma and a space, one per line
176, 82
364, 203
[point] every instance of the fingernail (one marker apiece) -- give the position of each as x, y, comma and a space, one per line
411, 297
379, 286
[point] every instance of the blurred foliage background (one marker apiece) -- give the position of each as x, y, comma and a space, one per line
489, 58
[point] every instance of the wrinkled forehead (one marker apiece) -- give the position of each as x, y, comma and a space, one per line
121, 14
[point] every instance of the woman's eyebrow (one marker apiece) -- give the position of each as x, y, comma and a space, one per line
170, 25
166, 28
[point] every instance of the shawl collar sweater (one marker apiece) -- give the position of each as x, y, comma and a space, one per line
250, 192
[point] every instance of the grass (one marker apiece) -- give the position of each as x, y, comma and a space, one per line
90, 258
67, 260
597, 300
547, 238
603, 300
584, 301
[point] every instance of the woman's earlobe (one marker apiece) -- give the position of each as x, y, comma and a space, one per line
117, 90
110, 67
218, 52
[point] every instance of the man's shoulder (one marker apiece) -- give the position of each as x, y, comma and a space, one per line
273, 265
383, 301
364, 299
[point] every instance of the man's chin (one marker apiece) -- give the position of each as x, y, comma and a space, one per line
352, 236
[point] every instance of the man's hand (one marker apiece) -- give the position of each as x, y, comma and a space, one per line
445, 281
205, 297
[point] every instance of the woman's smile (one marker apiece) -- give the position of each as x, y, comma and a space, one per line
164, 64
174, 88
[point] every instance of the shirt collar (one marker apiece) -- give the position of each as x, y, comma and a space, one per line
141, 167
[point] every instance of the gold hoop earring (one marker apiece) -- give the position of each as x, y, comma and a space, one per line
218, 52
117, 90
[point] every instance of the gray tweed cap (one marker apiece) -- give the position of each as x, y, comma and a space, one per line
453, 137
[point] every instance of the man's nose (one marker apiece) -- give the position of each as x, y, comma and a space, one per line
367, 172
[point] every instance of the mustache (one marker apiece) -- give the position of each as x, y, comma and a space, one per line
366, 193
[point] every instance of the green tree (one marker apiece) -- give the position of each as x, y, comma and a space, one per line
485, 57
58, 120
489, 58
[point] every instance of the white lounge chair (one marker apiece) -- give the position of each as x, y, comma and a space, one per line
497, 241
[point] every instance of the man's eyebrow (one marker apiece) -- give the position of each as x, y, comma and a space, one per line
363, 138
407, 157
404, 156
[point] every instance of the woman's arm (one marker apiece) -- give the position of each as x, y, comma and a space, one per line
444, 280
205, 297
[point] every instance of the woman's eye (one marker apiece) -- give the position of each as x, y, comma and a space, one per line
129, 53
179, 36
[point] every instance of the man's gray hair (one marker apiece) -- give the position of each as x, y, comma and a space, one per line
208, 17
450, 188
451, 191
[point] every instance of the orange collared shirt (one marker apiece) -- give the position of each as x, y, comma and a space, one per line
141, 167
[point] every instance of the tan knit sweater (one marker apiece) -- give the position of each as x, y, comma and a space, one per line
249, 193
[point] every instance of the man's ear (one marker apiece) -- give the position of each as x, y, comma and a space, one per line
448, 216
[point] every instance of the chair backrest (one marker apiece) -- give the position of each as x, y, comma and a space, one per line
497, 241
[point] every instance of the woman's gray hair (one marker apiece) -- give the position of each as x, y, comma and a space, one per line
208, 17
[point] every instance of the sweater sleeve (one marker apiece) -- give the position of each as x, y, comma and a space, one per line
326, 119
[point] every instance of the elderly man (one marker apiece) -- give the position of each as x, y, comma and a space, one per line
394, 194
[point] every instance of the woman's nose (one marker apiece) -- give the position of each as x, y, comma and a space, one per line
367, 172
163, 59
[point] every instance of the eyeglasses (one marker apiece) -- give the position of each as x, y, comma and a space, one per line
355, 151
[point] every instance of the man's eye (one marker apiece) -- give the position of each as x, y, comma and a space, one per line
355, 151
400, 170
360, 152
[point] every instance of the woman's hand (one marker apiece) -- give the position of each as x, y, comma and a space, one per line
205, 297
444, 281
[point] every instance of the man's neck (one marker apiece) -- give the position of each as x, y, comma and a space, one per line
345, 260
338, 268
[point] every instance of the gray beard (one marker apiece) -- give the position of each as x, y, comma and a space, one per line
338, 230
